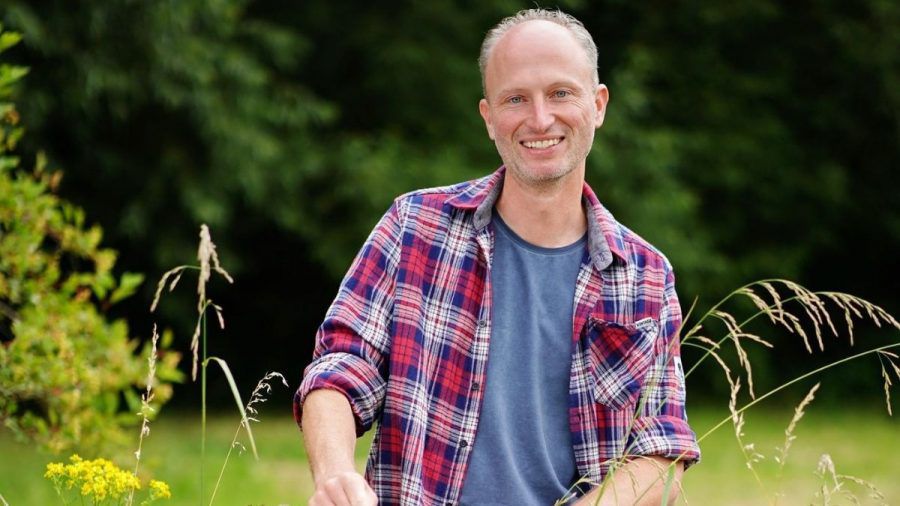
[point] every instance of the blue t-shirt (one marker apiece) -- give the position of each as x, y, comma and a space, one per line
522, 453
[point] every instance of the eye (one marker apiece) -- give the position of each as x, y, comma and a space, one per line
515, 100
561, 94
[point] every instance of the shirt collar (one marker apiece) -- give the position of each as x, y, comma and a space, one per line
604, 233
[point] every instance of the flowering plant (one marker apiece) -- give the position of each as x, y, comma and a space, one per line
99, 481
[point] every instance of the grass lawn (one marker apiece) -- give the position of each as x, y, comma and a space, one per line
861, 444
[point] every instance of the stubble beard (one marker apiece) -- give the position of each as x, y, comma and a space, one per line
539, 178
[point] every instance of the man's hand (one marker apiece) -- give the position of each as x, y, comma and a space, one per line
348, 488
330, 435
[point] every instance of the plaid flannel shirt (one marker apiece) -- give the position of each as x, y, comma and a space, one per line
406, 341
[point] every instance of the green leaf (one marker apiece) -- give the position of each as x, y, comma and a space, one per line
237, 400
9, 39
127, 286
133, 400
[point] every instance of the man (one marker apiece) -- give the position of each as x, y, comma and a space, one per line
513, 342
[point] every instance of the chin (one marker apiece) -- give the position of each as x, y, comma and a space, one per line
542, 175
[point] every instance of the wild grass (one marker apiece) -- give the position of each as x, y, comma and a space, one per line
100, 480
804, 314
857, 439
208, 262
263, 388
807, 315
146, 409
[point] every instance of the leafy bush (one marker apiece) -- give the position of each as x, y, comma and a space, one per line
65, 368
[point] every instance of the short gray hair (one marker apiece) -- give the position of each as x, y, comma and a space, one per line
575, 27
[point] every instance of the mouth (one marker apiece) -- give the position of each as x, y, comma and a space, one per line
542, 144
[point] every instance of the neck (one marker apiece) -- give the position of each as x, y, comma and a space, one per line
549, 215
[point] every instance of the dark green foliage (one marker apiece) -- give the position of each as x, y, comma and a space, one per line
784, 123
745, 139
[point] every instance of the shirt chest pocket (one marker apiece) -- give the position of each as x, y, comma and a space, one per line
619, 357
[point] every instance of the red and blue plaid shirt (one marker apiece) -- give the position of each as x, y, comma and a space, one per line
406, 341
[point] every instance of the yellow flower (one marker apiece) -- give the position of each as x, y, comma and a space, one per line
122, 483
100, 479
73, 469
54, 470
159, 490
100, 488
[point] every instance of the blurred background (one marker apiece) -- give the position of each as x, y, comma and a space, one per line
747, 140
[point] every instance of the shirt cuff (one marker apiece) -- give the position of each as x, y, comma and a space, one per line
350, 375
664, 436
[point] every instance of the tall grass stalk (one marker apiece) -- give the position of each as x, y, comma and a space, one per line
146, 409
258, 396
789, 436
208, 262
833, 484
202, 401
891, 358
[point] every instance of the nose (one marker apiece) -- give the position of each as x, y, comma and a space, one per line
541, 116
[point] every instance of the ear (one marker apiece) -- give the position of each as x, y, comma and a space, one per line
600, 100
485, 110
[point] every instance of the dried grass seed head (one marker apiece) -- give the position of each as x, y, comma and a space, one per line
209, 261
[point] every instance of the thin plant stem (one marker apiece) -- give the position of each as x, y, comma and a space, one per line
263, 387
793, 381
203, 404
137, 464
224, 464
146, 398
748, 459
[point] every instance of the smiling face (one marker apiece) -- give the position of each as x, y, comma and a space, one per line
541, 105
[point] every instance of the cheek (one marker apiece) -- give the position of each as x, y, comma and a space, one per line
589, 119
505, 124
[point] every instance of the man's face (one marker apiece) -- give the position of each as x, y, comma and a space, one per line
541, 105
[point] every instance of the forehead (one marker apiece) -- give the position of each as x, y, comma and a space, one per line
537, 48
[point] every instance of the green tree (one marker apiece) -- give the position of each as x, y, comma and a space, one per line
65, 369
781, 120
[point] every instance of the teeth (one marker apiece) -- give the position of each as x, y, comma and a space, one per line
541, 144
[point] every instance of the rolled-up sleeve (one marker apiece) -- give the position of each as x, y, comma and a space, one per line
353, 342
661, 426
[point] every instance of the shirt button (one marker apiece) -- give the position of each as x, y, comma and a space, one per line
476, 386
482, 323
463, 443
